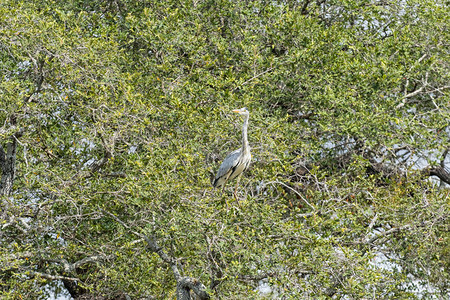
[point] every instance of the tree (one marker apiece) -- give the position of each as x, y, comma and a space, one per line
115, 114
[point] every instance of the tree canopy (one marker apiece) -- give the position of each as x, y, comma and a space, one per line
115, 115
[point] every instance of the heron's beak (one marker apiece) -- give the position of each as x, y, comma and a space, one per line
236, 111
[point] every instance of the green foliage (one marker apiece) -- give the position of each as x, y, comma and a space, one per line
125, 111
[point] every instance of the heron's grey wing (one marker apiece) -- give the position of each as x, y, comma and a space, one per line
241, 165
228, 163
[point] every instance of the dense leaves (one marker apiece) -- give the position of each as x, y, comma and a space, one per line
116, 114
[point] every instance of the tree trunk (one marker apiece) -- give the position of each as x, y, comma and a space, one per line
186, 284
8, 167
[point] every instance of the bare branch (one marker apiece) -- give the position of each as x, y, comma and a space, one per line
414, 93
123, 224
98, 165
89, 259
444, 156
154, 247
116, 174
51, 277
254, 77
386, 233
256, 277
188, 283
8, 161
438, 171
184, 284
292, 189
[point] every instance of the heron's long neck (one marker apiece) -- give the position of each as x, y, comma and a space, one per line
245, 146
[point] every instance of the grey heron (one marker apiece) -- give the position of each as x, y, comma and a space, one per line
237, 161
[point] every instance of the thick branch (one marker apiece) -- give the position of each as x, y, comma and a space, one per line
39, 78
186, 284
256, 277
8, 167
439, 172
304, 9
98, 165
51, 277
386, 233
8, 161
70, 268
154, 247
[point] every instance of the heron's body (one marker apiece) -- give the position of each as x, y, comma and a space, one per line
233, 165
237, 161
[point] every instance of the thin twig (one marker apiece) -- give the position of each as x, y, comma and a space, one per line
297, 193
254, 77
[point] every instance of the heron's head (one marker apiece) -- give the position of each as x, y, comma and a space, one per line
242, 111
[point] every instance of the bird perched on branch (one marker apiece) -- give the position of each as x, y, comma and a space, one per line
237, 161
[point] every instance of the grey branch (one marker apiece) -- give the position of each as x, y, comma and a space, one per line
8, 161
98, 165
188, 283
386, 233
123, 224
295, 191
440, 172
254, 77
256, 277
89, 259
51, 277
414, 93
154, 247
184, 284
